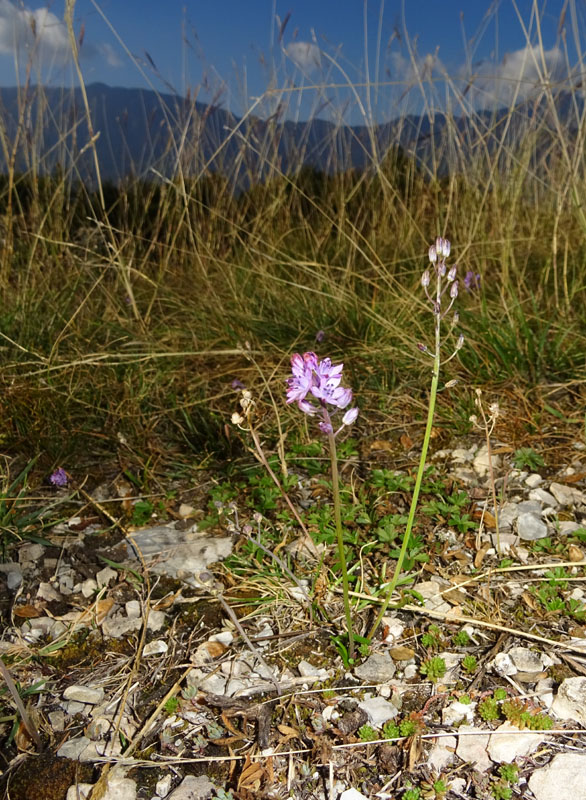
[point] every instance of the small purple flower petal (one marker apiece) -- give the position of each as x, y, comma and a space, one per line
237, 384
307, 407
59, 477
471, 281
320, 336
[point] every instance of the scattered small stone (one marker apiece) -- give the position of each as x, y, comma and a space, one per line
98, 728
442, 753
185, 510
544, 691
118, 625
352, 794
179, 554
352, 720
530, 527
402, 653
73, 707
452, 662
568, 526
13, 575
570, 701
79, 749
378, 668
526, 660
163, 786
192, 788
472, 747
410, 671
119, 787
378, 710
483, 461
533, 480
393, 629
30, 553
529, 507
567, 495
156, 620
89, 587
80, 791
48, 592
84, 694
155, 647
307, 670
566, 774
105, 576
432, 598
503, 665
57, 720
543, 497
133, 609
507, 515
508, 743
458, 712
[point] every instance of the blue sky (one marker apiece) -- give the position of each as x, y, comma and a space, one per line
231, 51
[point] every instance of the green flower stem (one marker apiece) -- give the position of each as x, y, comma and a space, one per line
418, 481
340, 536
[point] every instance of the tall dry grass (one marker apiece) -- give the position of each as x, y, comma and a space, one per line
128, 308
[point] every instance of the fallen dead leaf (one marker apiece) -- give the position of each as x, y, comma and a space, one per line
406, 441
27, 612
487, 519
167, 601
479, 557
251, 776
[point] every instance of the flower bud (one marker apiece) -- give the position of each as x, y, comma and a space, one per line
454, 290
425, 278
422, 347
442, 247
350, 416
451, 384
442, 269
456, 317
452, 273
432, 254
460, 342
326, 427
237, 419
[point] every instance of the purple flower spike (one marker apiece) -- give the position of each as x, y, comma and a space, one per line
322, 380
59, 477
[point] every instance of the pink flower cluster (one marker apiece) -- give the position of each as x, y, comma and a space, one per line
321, 380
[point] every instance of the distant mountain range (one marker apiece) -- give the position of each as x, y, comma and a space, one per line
141, 133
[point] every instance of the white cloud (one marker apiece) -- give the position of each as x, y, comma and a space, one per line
39, 32
518, 76
110, 56
305, 55
41, 35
